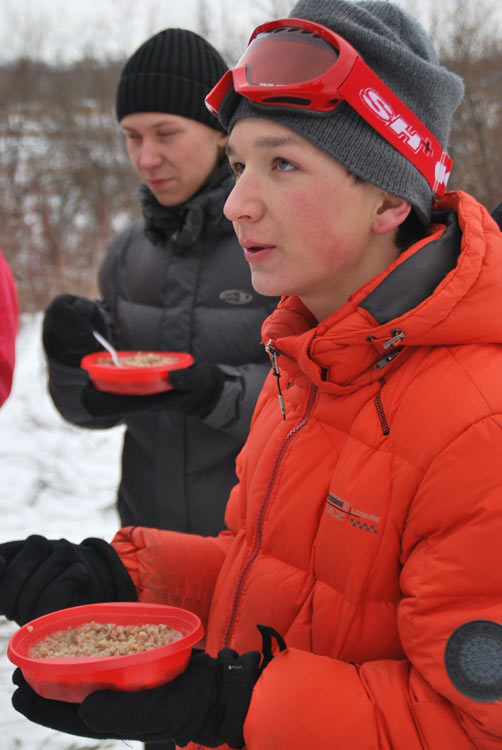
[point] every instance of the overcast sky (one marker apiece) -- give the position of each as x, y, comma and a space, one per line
63, 29
67, 29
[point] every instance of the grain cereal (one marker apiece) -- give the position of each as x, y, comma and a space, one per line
103, 639
141, 359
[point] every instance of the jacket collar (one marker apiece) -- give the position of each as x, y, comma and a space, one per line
444, 290
413, 280
183, 224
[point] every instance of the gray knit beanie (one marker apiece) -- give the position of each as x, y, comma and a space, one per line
397, 48
171, 72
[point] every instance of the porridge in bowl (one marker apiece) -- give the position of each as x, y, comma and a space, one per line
103, 639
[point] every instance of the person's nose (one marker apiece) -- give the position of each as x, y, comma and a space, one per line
244, 200
149, 156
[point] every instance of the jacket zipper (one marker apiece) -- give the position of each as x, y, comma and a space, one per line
272, 353
228, 633
380, 410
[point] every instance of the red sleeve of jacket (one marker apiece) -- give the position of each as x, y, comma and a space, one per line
451, 574
169, 567
9, 311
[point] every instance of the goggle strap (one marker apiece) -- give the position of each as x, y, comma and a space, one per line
372, 99
216, 96
397, 124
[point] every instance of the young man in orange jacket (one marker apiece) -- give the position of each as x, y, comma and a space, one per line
364, 530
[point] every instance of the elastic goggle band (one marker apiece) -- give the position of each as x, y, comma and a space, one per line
292, 63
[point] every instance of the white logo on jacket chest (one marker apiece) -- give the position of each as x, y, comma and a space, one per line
341, 510
235, 296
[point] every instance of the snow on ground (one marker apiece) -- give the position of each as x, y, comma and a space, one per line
57, 480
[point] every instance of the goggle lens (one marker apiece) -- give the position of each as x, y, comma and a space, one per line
287, 56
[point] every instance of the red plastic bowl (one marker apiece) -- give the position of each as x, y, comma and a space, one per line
72, 679
137, 381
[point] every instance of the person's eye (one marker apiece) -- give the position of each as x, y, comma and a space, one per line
283, 165
132, 137
237, 168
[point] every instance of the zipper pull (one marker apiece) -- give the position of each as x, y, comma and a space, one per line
397, 336
272, 353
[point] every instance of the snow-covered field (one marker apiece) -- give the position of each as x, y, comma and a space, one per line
56, 480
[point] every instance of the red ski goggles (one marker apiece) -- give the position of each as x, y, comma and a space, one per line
297, 64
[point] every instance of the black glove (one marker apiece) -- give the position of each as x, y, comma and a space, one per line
38, 576
67, 328
196, 390
497, 215
206, 704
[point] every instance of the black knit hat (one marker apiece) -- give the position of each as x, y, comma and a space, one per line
171, 72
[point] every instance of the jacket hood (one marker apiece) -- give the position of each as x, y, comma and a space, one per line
444, 290
186, 222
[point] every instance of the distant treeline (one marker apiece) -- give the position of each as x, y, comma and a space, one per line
67, 186
65, 180
26, 80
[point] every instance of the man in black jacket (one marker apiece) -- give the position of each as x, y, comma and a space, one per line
174, 281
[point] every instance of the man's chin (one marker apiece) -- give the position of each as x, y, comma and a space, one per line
168, 197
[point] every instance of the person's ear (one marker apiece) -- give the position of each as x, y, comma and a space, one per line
390, 213
221, 142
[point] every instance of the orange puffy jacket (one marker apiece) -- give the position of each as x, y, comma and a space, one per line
366, 526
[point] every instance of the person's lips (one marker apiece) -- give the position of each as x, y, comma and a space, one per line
255, 251
158, 183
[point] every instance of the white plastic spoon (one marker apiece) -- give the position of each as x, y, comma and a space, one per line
108, 347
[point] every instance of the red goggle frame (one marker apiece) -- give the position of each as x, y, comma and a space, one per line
296, 64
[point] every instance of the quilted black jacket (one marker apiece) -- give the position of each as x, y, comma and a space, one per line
176, 280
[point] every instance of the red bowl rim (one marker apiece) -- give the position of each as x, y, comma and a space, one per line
84, 613
89, 363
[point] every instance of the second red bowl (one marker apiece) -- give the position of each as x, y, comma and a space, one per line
134, 380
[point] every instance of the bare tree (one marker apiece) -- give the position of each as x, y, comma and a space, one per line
469, 43
66, 182
473, 51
